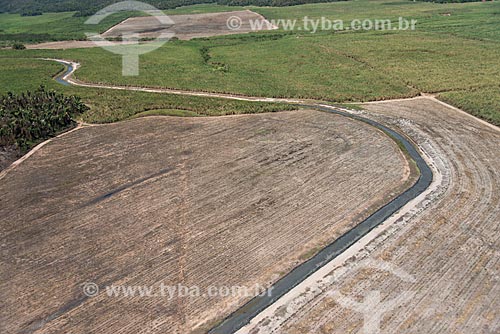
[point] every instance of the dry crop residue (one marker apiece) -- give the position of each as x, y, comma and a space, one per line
451, 248
221, 201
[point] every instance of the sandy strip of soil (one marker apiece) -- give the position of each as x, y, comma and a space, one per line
16, 163
73, 66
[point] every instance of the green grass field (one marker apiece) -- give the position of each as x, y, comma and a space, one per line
51, 27
474, 20
113, 105
455, 56
484, 103
64, 26
17, 75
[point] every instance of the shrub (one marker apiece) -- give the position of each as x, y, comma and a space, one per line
18, 46
30, 117
32, 13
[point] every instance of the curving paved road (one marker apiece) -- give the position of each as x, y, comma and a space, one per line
448, 243
242, 316
248, 311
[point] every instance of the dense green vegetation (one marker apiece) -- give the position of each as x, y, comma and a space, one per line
253, 68
18, 46
454, 51
334, 67
30, 117
51, 27
18, 75
451, 1
483, 103
89, 7
476, 20
112, 105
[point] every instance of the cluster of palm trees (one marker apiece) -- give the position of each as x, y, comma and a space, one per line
28, 118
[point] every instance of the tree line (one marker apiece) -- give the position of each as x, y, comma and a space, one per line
90, 7
30, 117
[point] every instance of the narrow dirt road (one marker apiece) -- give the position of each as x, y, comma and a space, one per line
67, 78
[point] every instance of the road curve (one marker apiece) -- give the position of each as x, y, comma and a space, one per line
243, 315
449, 243
66, 78
252, 308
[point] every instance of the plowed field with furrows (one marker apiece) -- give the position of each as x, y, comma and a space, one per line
200, 202
451, 248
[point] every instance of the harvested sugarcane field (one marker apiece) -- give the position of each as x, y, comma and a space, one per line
234, 200
250, 167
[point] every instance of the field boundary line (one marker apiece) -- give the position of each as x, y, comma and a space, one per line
116, 24
435, 99
36, 149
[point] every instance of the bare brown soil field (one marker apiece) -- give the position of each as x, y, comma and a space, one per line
8, 155
188, 26
448, 248
185, 27
201, 202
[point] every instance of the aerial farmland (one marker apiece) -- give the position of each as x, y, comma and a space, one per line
249, 167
